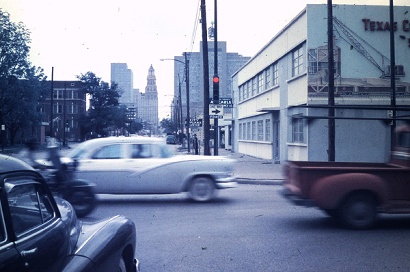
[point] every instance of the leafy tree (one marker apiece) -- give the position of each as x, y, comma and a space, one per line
105, 113
21, 83
168, 125
135, 127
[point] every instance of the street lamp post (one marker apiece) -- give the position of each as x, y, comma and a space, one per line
186, 66
180, 106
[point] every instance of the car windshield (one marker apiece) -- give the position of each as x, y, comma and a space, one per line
78, 152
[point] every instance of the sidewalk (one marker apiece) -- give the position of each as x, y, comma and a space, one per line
251, 170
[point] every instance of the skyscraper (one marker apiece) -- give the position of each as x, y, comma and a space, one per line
148, 104
123, 77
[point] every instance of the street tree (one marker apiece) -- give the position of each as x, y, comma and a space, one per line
169, 126
21, 84
105, 113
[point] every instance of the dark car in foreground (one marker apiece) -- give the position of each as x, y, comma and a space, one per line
41, 233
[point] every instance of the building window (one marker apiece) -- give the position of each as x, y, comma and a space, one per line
297, 61
240, 132
72, 108
260, 130
58, 94
268, 78
275, 74
254, 86
73, 94
248, 131
261, 86
244, 131
267, 130
297, 129
253, 130
240, 92
57, 108
248, 89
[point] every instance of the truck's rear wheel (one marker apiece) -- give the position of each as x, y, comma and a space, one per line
358, 211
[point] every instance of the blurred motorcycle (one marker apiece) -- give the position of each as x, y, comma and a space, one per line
61, 180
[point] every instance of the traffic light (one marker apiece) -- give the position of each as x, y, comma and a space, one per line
216, 89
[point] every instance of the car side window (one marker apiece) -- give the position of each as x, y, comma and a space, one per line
29, 207
141, 151
108, 152
2, 226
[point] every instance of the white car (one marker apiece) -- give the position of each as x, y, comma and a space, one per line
145, 165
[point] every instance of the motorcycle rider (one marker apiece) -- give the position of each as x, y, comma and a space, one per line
61, 173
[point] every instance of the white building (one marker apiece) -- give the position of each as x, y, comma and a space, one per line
275, 91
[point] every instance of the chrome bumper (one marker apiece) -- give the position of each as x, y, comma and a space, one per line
227, 182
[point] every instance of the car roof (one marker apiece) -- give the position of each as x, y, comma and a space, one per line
122, 140
126, 140
9, 164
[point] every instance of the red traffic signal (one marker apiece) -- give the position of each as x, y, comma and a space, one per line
216, 89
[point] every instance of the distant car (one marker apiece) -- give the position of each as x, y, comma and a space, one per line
171, 139
41, 233
145, 165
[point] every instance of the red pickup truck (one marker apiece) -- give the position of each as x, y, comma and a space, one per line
354, 192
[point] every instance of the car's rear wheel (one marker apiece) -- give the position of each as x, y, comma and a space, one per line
202, 189
358, 211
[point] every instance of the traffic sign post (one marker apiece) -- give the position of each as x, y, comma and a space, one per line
216, 111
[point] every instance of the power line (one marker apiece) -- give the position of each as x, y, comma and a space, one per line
195, 27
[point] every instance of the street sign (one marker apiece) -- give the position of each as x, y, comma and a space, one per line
196, 123
226, 102
216, 111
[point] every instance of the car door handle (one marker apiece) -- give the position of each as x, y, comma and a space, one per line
28, 252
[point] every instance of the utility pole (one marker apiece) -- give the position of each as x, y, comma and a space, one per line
206, 124
65, 122
179, 110
187, 100
392, 76
51, 102
216, 80
331, 90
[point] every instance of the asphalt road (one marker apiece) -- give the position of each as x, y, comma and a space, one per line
252, 228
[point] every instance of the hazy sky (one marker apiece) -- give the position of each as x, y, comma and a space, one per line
77, 36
